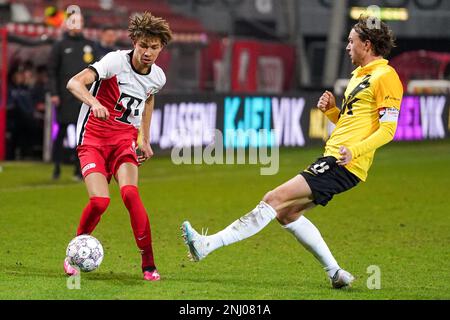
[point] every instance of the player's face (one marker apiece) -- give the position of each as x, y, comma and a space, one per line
357, 49
146, 51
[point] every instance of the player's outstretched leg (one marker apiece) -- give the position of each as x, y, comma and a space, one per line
293, 194
286, 203
141, 229
201, 245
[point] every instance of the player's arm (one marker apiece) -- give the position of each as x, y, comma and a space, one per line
146, 149
77, 86
327, 104
388, 97
383, 135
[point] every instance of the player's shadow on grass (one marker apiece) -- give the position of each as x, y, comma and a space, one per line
20, 270
122, 277
302, 283
241, 281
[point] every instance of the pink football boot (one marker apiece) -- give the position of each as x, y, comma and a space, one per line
152, 275
68, 269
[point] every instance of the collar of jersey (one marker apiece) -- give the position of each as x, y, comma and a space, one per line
130, 54
368, 68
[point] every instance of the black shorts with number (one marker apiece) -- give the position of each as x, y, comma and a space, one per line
326, 178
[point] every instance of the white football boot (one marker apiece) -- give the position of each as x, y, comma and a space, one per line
196, 242
342, 279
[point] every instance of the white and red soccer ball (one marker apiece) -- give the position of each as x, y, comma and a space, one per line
85, 252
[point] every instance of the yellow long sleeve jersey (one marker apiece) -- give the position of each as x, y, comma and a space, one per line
368, 117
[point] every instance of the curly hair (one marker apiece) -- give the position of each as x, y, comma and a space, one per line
147, 25
377, 32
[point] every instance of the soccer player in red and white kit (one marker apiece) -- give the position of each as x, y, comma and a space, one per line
120, 101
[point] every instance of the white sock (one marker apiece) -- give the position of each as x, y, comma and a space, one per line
243, 228
309, 236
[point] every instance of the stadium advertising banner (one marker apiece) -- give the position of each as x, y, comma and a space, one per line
275, 120
423, 117
244, 121
272, 120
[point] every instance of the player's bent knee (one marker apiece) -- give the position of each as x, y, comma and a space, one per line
273, 199
288, 215
129, 191
293, 211
100, 204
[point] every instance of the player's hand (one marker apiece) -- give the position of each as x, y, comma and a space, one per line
144, 153
100, 112
55, 100
326, 101
346, 156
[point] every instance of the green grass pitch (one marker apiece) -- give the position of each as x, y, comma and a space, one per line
399, 220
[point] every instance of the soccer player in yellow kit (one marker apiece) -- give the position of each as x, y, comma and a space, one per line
366, 121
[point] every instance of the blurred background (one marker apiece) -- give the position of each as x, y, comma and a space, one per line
248, 64
233, 66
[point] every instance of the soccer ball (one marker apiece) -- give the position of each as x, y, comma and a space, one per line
85, 252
